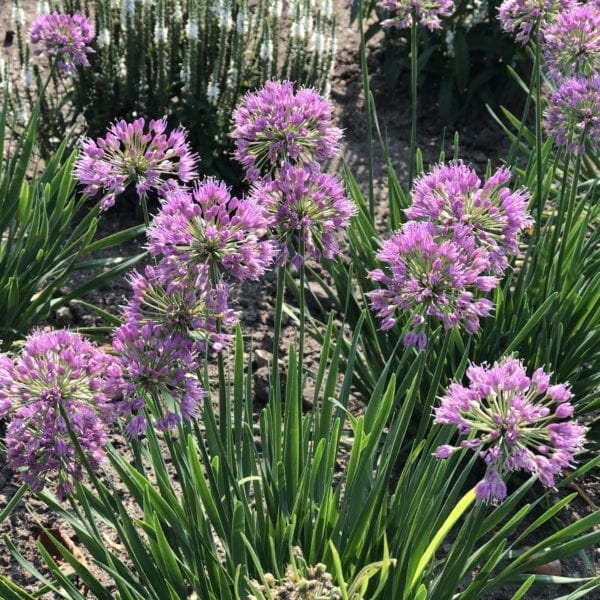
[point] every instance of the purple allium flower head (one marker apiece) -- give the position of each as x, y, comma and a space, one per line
430, 276
573, 112
308, 203
277, 125
572, 44
65, 37
159, 369
426, 12
56, 373
129, 154
186, 303
210, 227
511, 421
525, 17
453, 197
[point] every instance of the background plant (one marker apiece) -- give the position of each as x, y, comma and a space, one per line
191, 61
465, 60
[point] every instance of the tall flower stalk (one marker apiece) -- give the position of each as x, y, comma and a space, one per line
410, 14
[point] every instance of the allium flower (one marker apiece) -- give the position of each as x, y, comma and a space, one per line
511, 421
572, 44
308, 203
58, 373
128, 154
453, 197
276, 125
525, 17
430, 276
65, 37
573, 112
210, 226
159, 370
185, 303
426, 12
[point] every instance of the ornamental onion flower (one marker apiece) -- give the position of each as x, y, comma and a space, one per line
58, 374
572, 44
427, 276
308, 204
64, 37
278, 125
159, 369
209, 226
454, 198
526, 17
573, 112
513, 422
426, 12
185, 303
129, 154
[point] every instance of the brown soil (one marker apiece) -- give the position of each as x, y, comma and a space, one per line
480, 140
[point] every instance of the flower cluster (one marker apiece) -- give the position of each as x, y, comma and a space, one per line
431, 276
278, 125
186, 303
455, 199
129, 154
307, 207
453, 248
573, 112
526, 17
64, 37
209, 226
572, 44
60, 385
512, 422
160, 380
425, 12
282, 137
171, 322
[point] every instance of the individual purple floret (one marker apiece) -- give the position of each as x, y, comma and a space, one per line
426, 12
209, 226
526, 17
277, 125
511, 422
129, 154
57, 374
64, 37
159, 369
454, 198
430, 276
308, 204
573, 113
186, 303
572, 44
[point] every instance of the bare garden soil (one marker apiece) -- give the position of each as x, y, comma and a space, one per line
481, 140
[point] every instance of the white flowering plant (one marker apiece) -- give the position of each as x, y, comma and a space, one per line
192, 60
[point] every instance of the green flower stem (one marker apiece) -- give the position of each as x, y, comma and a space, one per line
302, 326
434, 383
368, 110
568, 223
556, 222
538, 142
145, 212
275, 388
414, 65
